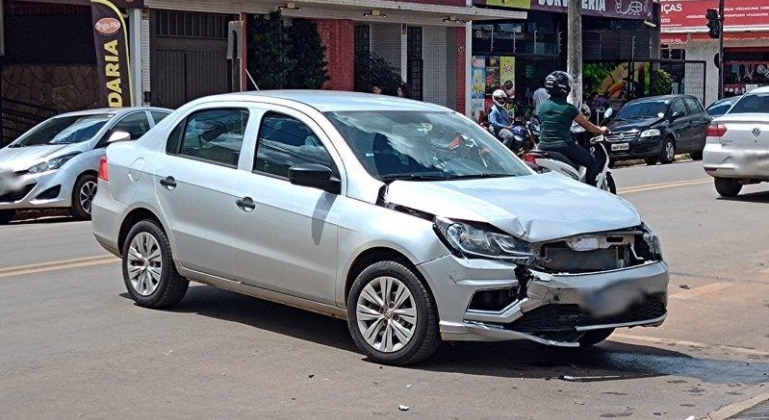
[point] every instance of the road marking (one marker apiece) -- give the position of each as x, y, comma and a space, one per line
730, 410
684, 343
662, 186
57, 265
699, 291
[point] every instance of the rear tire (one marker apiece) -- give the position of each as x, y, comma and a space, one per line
728, 187
594, 337
149, 271
611, 186
6, 216
369, 308
82, 197
668, 151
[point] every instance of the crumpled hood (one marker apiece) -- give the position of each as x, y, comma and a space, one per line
22, 158
640, 125
535, 208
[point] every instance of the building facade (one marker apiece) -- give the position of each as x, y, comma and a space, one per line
746, 42
181, 50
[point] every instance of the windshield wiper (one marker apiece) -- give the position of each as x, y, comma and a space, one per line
411, 177
481, 176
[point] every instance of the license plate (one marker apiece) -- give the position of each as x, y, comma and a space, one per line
620, 146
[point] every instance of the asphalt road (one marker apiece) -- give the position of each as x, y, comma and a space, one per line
72, 345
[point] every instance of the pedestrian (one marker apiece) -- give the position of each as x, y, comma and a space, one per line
376, 89
403, 91
540, 97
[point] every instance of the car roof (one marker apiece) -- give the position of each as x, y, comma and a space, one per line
763, 89
331, 101
111, 111
660, 98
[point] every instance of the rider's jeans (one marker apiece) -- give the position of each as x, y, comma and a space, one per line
581, 157
507, 138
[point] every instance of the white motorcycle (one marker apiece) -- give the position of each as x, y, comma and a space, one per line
543, 161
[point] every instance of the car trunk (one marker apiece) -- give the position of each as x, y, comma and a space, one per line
745, 131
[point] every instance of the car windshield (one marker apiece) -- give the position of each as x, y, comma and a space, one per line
63, 130
751, 104
645, 109
414, 145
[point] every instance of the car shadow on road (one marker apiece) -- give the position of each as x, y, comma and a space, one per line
36, 217
761, 197
609, 361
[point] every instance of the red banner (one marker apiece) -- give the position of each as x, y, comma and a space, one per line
690, 14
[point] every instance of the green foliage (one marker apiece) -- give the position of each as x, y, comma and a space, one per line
307, 56
285, 58
662, 83
371, 70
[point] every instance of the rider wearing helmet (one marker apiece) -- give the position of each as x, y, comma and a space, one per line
556, 116
499, 119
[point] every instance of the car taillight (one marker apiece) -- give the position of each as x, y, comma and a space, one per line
529, 158
716, 130
103, 169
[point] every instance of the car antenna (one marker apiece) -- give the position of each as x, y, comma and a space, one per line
253, 82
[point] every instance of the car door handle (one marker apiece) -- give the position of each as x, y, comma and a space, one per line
247, 204
168, 182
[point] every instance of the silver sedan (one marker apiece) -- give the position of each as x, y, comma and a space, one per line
737, 149
54, 165
404, 218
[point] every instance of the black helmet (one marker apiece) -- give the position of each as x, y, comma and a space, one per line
558, 84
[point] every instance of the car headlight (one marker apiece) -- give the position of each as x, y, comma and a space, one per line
650, 133
653, 241
483, 241
52, 164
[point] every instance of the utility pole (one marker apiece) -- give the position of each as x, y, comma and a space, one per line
574, 53
721, 51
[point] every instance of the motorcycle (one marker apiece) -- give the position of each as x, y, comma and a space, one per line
543, 161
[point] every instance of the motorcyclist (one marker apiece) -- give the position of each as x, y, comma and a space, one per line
556, 116
500, 120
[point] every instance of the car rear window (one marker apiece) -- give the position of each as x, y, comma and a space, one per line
751, 104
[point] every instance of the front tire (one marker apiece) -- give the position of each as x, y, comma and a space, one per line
149, 272
728, 187
391, 315
6, 216
82, 197
594, 337
609, 184
668, 151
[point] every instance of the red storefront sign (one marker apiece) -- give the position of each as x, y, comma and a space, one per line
690, 14
624, 9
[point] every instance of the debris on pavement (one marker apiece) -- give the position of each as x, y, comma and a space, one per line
403, 407
685, 286
570, 378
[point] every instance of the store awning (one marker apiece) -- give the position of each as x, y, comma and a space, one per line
384, 11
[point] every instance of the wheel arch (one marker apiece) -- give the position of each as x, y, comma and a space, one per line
132, 218
375, 255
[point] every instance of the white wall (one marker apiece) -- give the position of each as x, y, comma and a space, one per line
439, 55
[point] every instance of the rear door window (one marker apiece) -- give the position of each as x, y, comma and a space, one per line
214, 135
693, 105
678, 106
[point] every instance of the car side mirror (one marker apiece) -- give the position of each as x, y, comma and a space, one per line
609, 112
676, 115
314, 175
118, 136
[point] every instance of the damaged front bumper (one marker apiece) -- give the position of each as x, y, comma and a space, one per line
552, 309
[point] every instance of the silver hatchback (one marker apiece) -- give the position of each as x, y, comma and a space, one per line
54, 165
404, 218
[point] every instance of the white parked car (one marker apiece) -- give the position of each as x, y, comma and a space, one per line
405, 218
737, 149
54, 164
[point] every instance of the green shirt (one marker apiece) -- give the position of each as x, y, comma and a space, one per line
556, 116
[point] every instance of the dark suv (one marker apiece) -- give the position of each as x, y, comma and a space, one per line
657, 128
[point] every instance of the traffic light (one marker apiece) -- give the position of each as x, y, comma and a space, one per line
714, 23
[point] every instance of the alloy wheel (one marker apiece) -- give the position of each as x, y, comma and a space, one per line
144, 264
670, 151
386, 314
86, 195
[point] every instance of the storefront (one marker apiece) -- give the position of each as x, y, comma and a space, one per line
746, 42
617, 36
